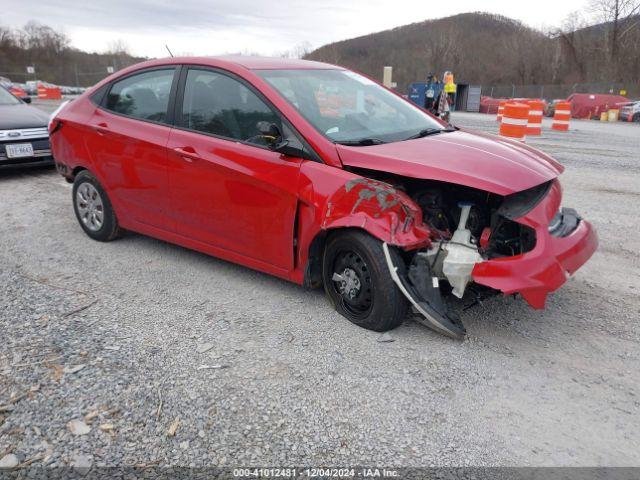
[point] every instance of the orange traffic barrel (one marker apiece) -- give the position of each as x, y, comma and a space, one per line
514, 121
42, 92
501, 105
53, 93
561, 116
536, 109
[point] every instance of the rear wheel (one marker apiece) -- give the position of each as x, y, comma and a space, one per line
358, 283
93, 208
636, 117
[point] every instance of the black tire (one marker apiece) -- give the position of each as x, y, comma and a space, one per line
108, 228
636, 117
378, 304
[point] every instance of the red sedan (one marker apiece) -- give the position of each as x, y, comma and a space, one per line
320, 176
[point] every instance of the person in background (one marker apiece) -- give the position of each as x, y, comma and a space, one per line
444, 109
449, 87
430, 98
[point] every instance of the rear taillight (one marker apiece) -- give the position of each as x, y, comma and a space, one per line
55, 125
52, 125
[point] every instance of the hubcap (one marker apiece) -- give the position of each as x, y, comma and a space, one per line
348, 283
90, 206
351, 280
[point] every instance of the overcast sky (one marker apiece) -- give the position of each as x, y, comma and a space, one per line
199, 27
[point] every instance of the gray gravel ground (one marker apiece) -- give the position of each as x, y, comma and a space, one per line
259, 371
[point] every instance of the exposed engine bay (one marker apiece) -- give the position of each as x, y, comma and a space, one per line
468, 226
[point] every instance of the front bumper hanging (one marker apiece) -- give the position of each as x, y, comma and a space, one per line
423, 291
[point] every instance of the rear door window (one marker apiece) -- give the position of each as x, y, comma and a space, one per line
144, 95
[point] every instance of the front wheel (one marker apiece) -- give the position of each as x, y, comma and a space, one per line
358, 283
93, 208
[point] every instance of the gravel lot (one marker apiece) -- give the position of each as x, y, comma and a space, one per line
139, 334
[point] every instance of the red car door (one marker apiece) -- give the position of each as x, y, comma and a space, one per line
128, 146
227, 188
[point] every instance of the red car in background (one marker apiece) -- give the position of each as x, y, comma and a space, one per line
19, 92
320, 176
15, 89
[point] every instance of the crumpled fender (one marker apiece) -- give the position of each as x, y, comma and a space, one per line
331, 198
377, 207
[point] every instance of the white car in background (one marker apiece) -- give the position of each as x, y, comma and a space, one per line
630, 112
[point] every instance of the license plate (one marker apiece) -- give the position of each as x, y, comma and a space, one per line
18, 150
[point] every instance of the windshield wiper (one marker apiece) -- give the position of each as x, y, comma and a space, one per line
362, 142
430, 131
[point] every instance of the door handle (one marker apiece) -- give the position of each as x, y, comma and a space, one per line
187, 153
101, 129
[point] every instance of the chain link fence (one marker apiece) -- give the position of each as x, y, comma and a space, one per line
67, 73
76, 79
78, 76
550, 92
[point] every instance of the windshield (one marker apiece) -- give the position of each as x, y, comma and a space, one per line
6, 98
346, 107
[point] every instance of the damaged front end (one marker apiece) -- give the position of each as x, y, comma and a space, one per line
422, 289
561, 242
519, 243
454, 260
388, 212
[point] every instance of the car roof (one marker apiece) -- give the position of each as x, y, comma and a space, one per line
255, 63
248, 62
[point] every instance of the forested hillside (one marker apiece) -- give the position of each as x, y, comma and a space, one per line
494, 50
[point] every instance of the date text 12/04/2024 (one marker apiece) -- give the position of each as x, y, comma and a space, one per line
315, 473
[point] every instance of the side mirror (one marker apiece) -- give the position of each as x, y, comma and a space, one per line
285, 149
272, 134
26, 99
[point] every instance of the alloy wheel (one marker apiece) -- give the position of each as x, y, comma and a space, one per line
90, 206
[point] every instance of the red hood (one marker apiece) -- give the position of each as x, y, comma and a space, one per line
477, 160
